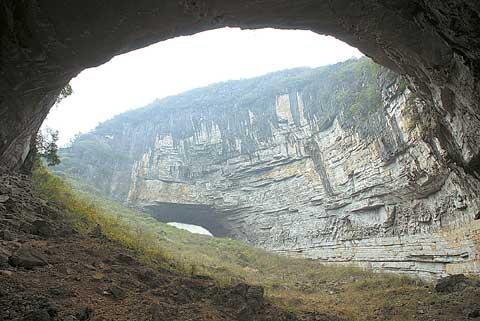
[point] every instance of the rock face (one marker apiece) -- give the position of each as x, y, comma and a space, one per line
333, 164
43, 44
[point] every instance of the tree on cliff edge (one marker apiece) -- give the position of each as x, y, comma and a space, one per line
46, 141
46, 146
66, 91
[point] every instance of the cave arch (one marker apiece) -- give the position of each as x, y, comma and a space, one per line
44, 43
192, 214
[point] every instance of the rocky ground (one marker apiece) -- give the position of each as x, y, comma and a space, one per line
49, 272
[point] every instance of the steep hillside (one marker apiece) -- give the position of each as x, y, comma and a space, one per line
243, 111
67, 255
57, 264
330, 163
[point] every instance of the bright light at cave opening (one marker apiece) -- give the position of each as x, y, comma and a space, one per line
170, 67
195, 229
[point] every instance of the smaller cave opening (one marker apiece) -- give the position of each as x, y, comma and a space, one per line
195, 229
179, 215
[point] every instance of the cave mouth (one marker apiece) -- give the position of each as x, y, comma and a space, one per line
47, 43
200, 215
194, 229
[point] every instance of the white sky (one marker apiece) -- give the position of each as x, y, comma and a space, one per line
170, 67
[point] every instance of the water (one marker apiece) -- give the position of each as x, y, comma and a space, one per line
195, 229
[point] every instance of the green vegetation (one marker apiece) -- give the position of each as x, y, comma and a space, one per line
240, 111
296, 284
64, 93
350, 88
46, 148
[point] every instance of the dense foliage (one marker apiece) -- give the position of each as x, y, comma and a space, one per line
64, 93
46, 147
350, 89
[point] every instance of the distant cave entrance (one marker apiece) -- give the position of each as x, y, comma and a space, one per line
194, 214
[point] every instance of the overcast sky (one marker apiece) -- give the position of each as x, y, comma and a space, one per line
167, 68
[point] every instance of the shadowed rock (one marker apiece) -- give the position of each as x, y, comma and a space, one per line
46, 43
27, 258
455, 283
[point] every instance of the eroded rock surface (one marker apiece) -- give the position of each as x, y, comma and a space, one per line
333, 164
44, 43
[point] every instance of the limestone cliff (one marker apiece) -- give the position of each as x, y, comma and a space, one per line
341, 163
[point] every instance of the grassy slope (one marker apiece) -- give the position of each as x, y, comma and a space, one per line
297, 284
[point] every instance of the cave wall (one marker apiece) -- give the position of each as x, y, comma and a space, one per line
44, 43
392, 203
435, 44
294, 173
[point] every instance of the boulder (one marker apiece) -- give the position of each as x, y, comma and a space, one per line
6, 273
125, 259
475, 313
4, 255
27, 258
117, 292
40, 315
61, 292
454, 283
3, 260
85, 314
42, 228
157, 313
148, 276
6, 235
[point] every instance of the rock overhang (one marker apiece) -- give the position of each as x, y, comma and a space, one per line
193, 214
45, 43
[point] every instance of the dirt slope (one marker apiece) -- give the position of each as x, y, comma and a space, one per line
48, 272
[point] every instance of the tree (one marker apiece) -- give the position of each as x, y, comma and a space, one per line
46, 146
66, 91
74, 139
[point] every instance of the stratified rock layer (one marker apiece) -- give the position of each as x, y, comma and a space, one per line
333, 164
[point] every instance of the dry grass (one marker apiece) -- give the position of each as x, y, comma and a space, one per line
296, 284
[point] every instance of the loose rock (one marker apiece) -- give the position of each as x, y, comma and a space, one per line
148, 276
6, 273
126, 259
85, 314
4, 256
39, 315
117, 292
7, 235
42, 228
157, 314
27, 258
453, 283
474, 313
